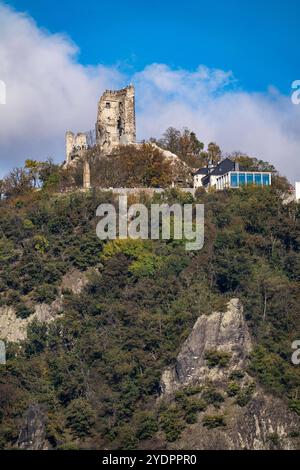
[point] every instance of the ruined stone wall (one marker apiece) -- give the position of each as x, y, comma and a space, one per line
116, 118
75, 144
70, 142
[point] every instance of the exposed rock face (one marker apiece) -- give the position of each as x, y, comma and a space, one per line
170, 156
263, 422
33, 432
14, 329
221, 331
75, 280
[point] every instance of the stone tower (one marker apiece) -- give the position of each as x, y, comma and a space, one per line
70, 143
76, 144
116, 118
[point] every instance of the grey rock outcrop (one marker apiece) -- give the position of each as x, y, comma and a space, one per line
14, 329
262, 422
32, 435
226, 332
75, 280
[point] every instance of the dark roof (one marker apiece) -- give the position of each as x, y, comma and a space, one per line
202, 171
220, 169
223, 167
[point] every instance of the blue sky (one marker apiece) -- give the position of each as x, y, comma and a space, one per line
221, 68
258, 40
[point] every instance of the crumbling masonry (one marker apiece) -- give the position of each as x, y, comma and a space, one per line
116, 118
115, 124
76, 144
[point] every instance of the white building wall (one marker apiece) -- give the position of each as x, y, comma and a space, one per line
213, 181
198, 181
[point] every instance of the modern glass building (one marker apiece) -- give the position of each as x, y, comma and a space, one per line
236, 179
228, 174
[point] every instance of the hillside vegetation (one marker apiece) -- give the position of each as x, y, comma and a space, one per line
97, 368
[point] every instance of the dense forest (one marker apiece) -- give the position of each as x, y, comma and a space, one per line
97, 368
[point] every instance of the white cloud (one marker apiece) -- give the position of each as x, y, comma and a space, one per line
49, 91
265, 125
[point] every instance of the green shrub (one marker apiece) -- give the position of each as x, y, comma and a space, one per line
245, 394
294, 434
127, 438
191, 408
212, 421
172, 423
13, 297
212, 397
237, 374
80, 417
294, 405
27, 224
233, 389
40, 243
22, 311
147, 425
274, 439
217, 358
45, 293
193, 390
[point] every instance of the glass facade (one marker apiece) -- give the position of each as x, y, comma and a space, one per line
234, 180
238, 179
249, 178
257, 178
242, 179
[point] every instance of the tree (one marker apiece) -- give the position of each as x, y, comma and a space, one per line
214, 153
80, 417
196, 145
183, 143
132, 167
170, 140
251, 163
33, 168
17, 183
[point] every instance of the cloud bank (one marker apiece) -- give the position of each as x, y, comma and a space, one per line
49, 91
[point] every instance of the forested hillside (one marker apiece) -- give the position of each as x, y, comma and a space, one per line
96, 370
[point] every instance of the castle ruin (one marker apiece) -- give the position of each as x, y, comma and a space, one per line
76, 144
116, 118
115, 124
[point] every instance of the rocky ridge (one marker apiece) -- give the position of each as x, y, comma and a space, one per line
213, 361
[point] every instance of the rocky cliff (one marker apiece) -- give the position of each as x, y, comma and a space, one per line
32, 435
14, 329
238, 414
225, 332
